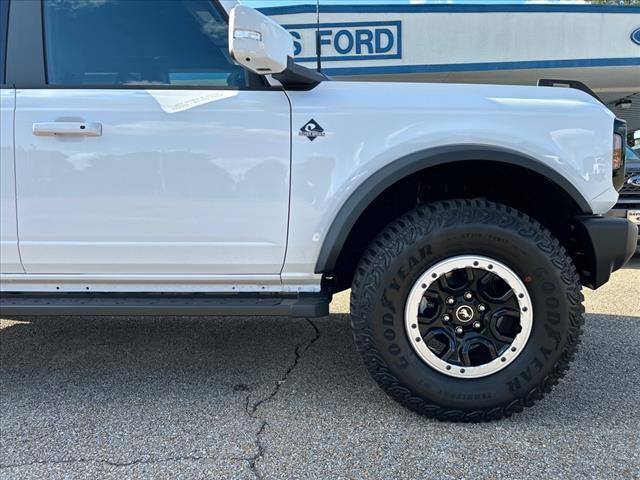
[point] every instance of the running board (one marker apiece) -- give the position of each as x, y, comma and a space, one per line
109, 304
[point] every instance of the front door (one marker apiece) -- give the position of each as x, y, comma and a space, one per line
149, 151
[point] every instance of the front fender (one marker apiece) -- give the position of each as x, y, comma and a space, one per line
375, 133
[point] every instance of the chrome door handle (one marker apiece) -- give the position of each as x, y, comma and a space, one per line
86, 129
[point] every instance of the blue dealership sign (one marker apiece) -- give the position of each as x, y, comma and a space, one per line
347, 40
635, 36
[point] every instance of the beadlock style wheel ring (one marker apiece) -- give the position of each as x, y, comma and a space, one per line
468, 316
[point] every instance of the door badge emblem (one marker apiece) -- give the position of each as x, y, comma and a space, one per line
312, 130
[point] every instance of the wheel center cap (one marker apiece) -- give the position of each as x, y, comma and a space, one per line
464, 313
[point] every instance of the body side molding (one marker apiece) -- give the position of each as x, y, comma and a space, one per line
189, 304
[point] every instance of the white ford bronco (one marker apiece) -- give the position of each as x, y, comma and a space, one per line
163, 158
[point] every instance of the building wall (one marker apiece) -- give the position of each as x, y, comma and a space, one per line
504, 44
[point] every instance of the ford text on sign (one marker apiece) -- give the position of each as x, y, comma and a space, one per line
348, 41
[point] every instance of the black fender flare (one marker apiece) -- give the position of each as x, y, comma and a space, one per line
384, 178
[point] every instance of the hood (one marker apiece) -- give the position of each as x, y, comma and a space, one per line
533, 101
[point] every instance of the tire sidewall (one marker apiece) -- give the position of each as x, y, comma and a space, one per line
520, 247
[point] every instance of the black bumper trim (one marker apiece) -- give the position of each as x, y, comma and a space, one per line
608, 244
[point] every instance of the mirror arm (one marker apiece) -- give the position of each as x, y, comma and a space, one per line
297, 77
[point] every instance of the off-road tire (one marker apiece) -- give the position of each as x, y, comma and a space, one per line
433, 232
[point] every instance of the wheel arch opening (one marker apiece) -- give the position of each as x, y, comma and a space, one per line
507, 182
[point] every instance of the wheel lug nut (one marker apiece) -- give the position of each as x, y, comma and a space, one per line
446, 317
476, 325
459, 330
451, 300
481, 308
468, 296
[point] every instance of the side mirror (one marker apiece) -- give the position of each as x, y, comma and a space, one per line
257, 42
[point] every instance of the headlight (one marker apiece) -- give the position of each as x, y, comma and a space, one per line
619, 141
618, 150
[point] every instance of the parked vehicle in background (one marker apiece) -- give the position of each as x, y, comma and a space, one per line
628, 205
161, 159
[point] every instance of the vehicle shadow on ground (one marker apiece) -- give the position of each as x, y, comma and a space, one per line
634, 263
85, 359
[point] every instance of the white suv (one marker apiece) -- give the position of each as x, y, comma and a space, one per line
157, 161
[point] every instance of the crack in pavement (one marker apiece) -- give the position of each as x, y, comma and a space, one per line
252, 409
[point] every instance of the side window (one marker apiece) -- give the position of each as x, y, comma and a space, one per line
138, 42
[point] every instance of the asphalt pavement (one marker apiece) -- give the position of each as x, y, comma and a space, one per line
288, 398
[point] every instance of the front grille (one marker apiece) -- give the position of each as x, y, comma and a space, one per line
628, 189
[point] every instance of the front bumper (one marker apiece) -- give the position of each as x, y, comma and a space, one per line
622, 213
607, 244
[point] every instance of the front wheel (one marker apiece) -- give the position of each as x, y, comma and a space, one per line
466, 310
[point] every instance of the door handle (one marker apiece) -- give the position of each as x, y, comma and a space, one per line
86, 129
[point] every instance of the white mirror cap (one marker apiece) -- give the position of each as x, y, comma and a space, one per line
257, 42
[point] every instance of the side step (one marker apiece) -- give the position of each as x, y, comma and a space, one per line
109, 304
